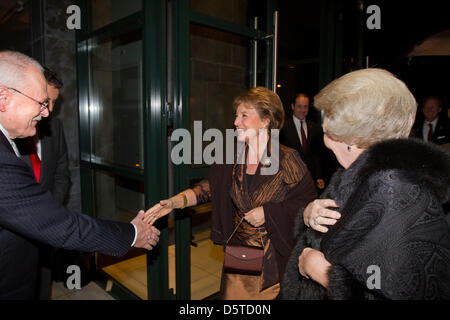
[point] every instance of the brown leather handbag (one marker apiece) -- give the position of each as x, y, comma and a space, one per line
243, 259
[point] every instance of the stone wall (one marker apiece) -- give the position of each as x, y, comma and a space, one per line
219, 72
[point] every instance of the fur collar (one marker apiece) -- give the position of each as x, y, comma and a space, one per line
411, 159
421, 163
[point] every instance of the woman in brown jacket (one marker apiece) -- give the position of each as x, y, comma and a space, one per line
261, 208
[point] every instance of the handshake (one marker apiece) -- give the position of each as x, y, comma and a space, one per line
147, 234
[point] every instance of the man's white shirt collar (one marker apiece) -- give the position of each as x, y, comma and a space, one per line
297, 125
433, 123
13, 145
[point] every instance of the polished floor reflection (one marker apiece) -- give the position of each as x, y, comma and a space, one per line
206, 269
91, 291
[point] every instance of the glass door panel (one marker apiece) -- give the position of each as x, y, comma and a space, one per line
116, 100
235, 11
217, 58
104, 12
116, 140
119, 199
219, 71
121, 51
122, 102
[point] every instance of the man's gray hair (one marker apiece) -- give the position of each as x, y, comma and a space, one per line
13, 68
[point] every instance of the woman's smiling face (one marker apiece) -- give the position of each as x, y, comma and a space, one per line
248, 122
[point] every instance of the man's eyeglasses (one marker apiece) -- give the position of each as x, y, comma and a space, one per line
43, 104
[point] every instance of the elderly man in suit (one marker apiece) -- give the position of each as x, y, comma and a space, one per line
305, 137
27, 212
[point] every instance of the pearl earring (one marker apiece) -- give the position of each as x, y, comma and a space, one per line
349, 149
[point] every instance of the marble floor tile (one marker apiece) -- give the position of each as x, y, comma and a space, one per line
206, 268
91, 291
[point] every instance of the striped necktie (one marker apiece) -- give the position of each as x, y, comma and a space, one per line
304, 141
430, 132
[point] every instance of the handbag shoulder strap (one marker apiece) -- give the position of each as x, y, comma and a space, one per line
237, 227
234, 231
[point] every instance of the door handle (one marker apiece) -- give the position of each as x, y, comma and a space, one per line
275, 51
254, 82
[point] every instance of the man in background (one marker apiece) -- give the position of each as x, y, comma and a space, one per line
51, 166
304, 136
433, 127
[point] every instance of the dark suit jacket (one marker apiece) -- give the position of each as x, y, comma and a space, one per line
55, 175
28, 214
289, 137
441, 134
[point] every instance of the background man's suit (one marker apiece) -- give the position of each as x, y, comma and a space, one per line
29, 214
290, 138
441, 134
55, 174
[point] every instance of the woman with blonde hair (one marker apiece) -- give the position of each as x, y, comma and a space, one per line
248, 207
378, 231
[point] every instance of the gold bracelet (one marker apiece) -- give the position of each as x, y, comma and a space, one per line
185, 202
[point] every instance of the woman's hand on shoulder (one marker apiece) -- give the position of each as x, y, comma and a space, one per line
317, 215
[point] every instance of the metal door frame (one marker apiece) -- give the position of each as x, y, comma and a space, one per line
183, 17
159, 114
151, 19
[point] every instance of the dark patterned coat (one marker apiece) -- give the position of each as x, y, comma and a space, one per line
391, 203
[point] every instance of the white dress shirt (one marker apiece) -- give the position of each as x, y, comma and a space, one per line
426, 128
297, 126
13, 145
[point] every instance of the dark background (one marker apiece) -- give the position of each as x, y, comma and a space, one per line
403, 25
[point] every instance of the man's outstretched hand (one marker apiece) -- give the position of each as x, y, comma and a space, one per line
147, 234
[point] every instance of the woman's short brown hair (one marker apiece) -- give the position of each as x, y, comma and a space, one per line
366, 106
266, 103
